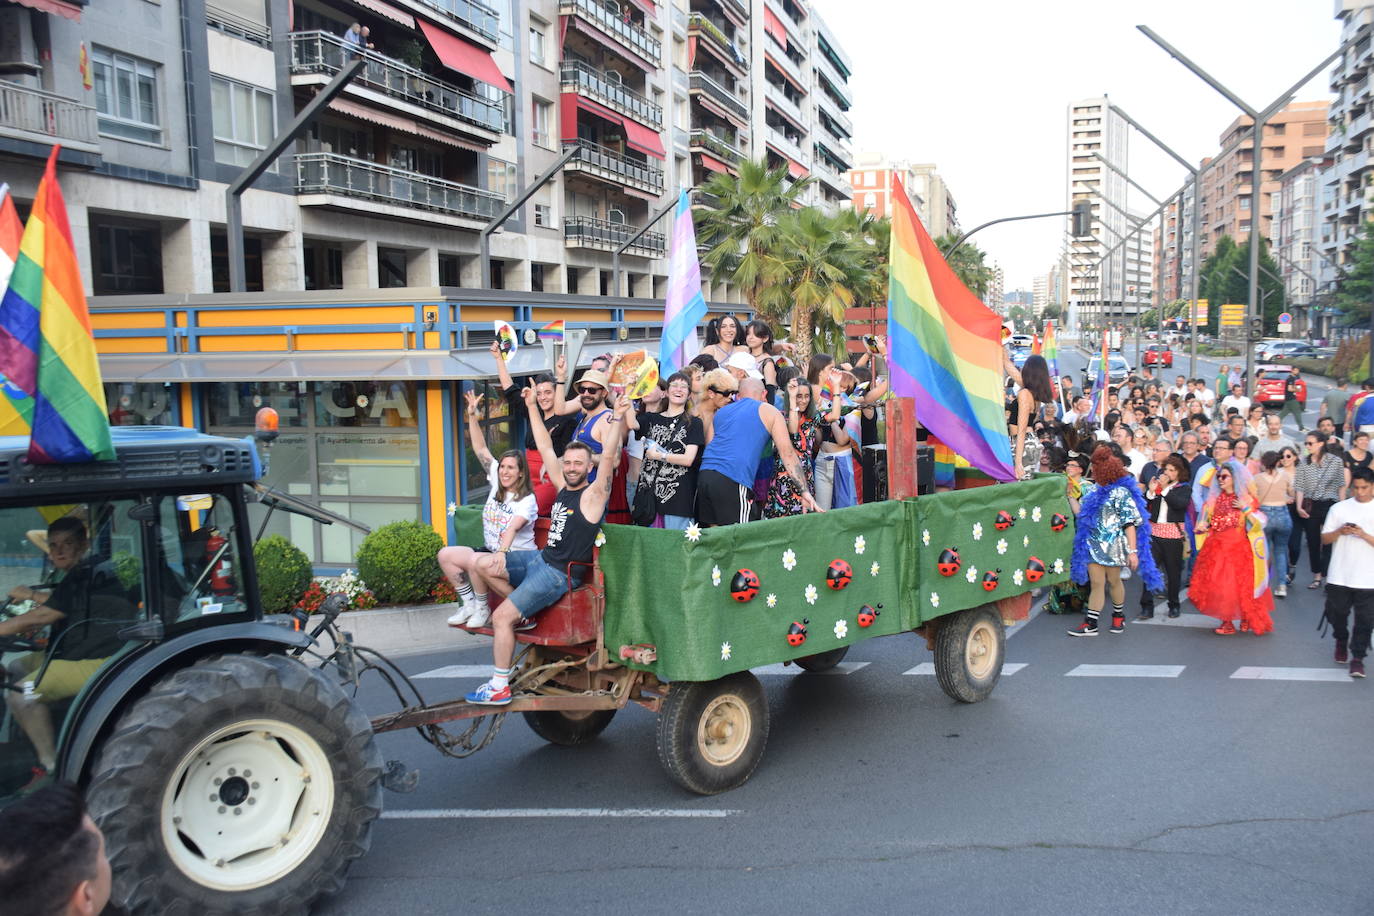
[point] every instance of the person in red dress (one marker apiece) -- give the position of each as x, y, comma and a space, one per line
1224, 579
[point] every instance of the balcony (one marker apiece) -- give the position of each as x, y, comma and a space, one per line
322, 54
832, 177
628, 34
231, 23
835, 112
741, 10
594, 84
590, 232
789, 67
701, 28
41, 118
722, 147
789, 148
609, 165
775, 96
708, 87
331, 176
472, 16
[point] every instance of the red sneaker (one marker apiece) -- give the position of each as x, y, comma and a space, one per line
1342, 652
1226, 629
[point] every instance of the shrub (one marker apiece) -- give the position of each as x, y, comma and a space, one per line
283, 573
352, 587
397, 561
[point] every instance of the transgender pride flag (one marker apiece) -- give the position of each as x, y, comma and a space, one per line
685, 306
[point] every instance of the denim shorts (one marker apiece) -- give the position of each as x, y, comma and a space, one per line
537, 584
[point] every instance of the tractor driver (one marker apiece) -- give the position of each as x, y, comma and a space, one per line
85, 609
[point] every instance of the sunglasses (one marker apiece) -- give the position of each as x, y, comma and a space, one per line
588, 389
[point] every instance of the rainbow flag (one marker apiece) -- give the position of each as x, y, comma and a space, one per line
552, 331
46, 344
945, 348
1049, 348
1035, 345
1100, 384
18, 331
11, 231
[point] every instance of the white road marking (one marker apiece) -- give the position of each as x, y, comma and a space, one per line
1292, 674
781, 670
456, 671
1126, 671
426, 814
1183, 620
1008, 668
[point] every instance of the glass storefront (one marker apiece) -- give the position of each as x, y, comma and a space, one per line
498, 428
350, 447
140, 404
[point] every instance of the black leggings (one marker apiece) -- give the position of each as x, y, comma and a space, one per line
1168, 554
1318, 554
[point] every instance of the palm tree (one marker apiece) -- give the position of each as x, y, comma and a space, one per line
743, 229
967, 264
810, 274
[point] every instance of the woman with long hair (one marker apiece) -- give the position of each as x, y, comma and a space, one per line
758, 339
507, 519
1036, 389
1320, 482
803, 425
1111, 518
1274, 493
548, 394
723, 337
673, 439
1288, 465
1255, 424
1167, 499
1231, 577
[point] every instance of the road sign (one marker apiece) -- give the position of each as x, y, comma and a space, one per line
1200, 311
1285, 318
1233, 314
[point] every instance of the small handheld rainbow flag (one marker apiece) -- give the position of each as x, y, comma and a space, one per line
552, 331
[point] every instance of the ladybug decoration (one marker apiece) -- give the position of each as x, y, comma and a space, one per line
744, 586
796, 633
838, 575
990, 580
867, 614
1035, 569
1003, 521
949, 562
1059, 522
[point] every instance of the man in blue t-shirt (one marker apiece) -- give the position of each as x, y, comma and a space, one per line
738, 425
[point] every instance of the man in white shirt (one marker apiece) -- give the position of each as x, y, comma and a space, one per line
1349, 529
1236, 399
1082, 406
1180, 387
1203, 393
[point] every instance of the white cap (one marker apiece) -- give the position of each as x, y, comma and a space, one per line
744, 363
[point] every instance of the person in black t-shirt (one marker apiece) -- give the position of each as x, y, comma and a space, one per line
548, 398
673, 439
540, 577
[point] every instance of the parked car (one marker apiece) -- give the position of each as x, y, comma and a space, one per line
1287, 350
1020, 341
1019, 355
1158, 355
1118, 370
1269, 381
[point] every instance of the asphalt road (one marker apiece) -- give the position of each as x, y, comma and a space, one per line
1195, 792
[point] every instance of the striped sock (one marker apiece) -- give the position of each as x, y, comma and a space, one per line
465, 592
500, 677
1092, 616
480, 600
1118, 610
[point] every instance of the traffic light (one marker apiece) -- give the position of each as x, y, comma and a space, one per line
1256, 328
1082, 218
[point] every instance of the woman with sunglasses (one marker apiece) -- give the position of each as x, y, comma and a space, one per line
1275, 494
1288, 464
1320, 481
1231, 577
1167, 496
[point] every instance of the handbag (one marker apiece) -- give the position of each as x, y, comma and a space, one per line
645, 509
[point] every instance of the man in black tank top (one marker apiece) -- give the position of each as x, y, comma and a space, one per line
540, 577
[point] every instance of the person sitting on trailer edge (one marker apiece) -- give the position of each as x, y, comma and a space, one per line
541, 577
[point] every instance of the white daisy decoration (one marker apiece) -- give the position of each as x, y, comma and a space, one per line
715, 575
1058, 566
1001, 545
925, 536
860, 544
977, 531
811, 594
725, 650
692, 533
841, 629
1017, 577
934, 599
971, 574
1035, 514
1021, 512
771, 600
789, 560
452, 509
873, 570
600, 539
1025, 541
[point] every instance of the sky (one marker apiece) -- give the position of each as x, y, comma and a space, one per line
982, 90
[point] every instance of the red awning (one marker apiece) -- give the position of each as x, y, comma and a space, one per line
401, 123
637, 136
773, 26
644, 139
465, 57
712, 163
782, 71
56, 7
389, 11
796, 169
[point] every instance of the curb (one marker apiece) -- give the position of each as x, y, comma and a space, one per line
409, 630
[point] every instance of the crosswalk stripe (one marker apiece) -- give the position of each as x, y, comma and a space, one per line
456, 671
1183, 620
1126, 671
406, 814
1250, 673
781, 670
928, 668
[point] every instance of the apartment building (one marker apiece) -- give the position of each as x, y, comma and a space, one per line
1347, 192
1295, 244
872, 180
1098, 289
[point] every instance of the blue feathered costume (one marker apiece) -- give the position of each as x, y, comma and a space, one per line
1090, 532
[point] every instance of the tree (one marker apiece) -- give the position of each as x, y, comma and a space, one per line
1226, 278
742, 231
1355, 290
1052, 312
810, 274
968, 264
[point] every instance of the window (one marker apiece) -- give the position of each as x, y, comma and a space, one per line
244, 121
538, 50
391, 268
126, 257
543, 215
126, 96
501, 177
542, 117
537, 278
450, 270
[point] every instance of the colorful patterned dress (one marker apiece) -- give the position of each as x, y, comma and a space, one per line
783, 496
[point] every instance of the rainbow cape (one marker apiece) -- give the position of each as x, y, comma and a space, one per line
46, 345
944, 348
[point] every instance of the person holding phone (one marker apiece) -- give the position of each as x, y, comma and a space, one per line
1349, 530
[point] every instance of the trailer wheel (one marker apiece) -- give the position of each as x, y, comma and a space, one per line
711, 733
969, 647
569, 728
822, 661
242, 784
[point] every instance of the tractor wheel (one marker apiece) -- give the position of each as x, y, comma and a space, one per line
243, 784
568, 728
711, 733
969, 648
823, 661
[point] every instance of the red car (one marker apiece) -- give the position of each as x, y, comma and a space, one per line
1158, 355
1269, 385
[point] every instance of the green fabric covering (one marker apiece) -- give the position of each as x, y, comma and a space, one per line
467, 526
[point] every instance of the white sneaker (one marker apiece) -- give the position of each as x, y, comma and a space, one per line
1280, 591
462, 615
481, 616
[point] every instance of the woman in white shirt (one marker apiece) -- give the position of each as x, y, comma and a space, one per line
507, 519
